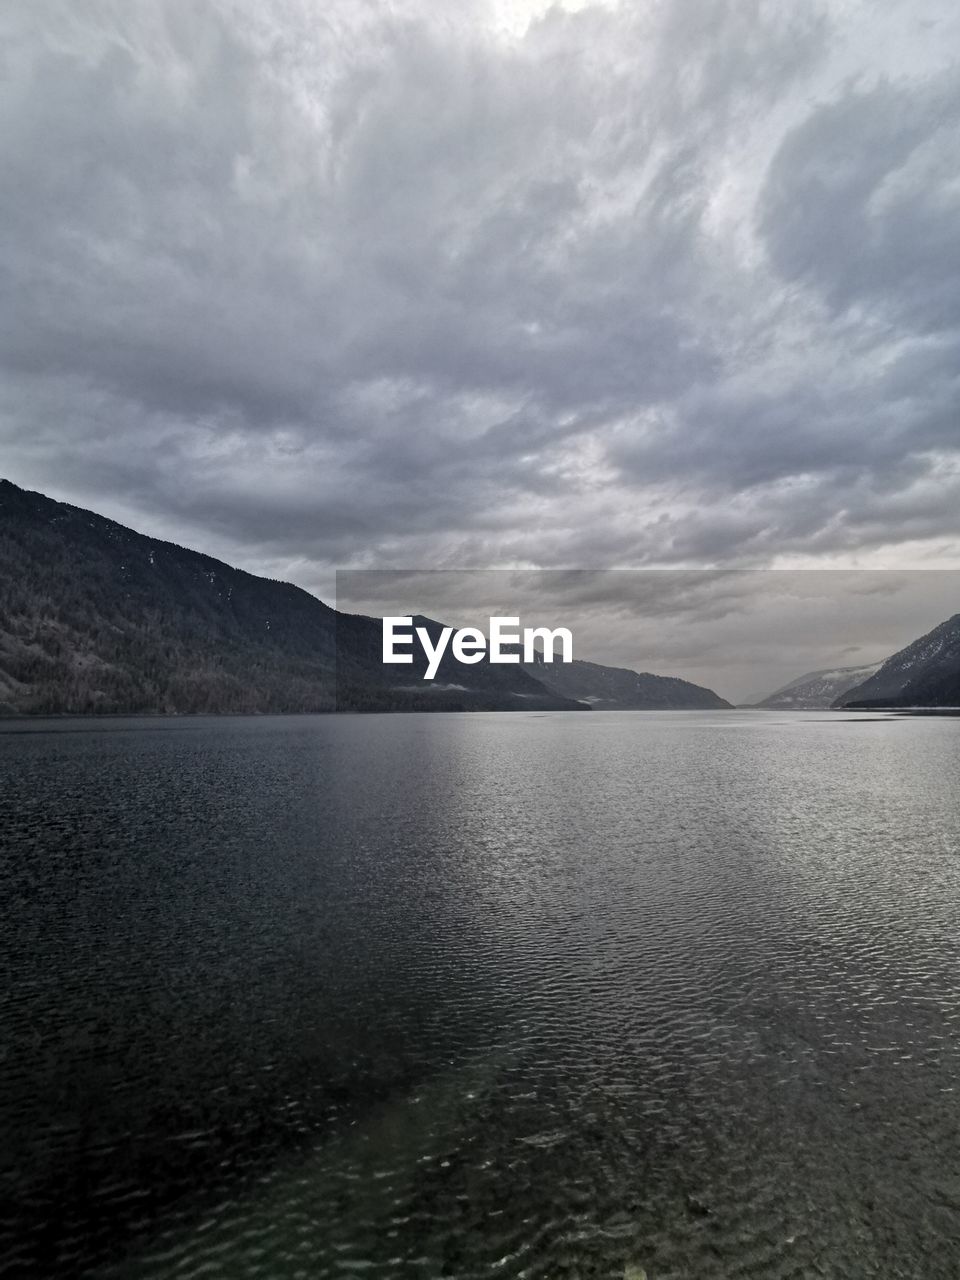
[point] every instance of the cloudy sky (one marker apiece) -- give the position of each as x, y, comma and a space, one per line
497, 283
743, 633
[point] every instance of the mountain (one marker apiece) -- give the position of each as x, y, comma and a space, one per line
365, 683
817, 689
97, 618
924, 674
620, 689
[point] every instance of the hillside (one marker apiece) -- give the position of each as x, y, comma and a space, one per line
620, 689
924, 674
96, 618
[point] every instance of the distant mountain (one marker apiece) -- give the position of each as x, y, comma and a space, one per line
95, 618
620, 689
365, 683
924, 674
817, 689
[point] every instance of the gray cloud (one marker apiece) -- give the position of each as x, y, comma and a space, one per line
381, 285
861, 204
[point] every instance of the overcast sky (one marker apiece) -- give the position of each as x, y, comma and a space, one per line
743, 633
316, 284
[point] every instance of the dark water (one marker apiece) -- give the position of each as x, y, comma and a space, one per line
481, 996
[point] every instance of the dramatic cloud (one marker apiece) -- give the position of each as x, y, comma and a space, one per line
498, 284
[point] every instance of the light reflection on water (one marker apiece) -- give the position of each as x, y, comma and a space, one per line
482, 995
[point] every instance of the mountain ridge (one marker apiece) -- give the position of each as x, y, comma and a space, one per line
816, 690
925, 673
607, 688
97, 618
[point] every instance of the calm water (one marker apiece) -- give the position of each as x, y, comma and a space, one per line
481, 996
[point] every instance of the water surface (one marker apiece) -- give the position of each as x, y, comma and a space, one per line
481, 995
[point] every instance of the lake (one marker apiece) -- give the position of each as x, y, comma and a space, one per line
563, 996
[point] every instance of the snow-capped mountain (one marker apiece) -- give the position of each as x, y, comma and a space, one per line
817, 689
924, 674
